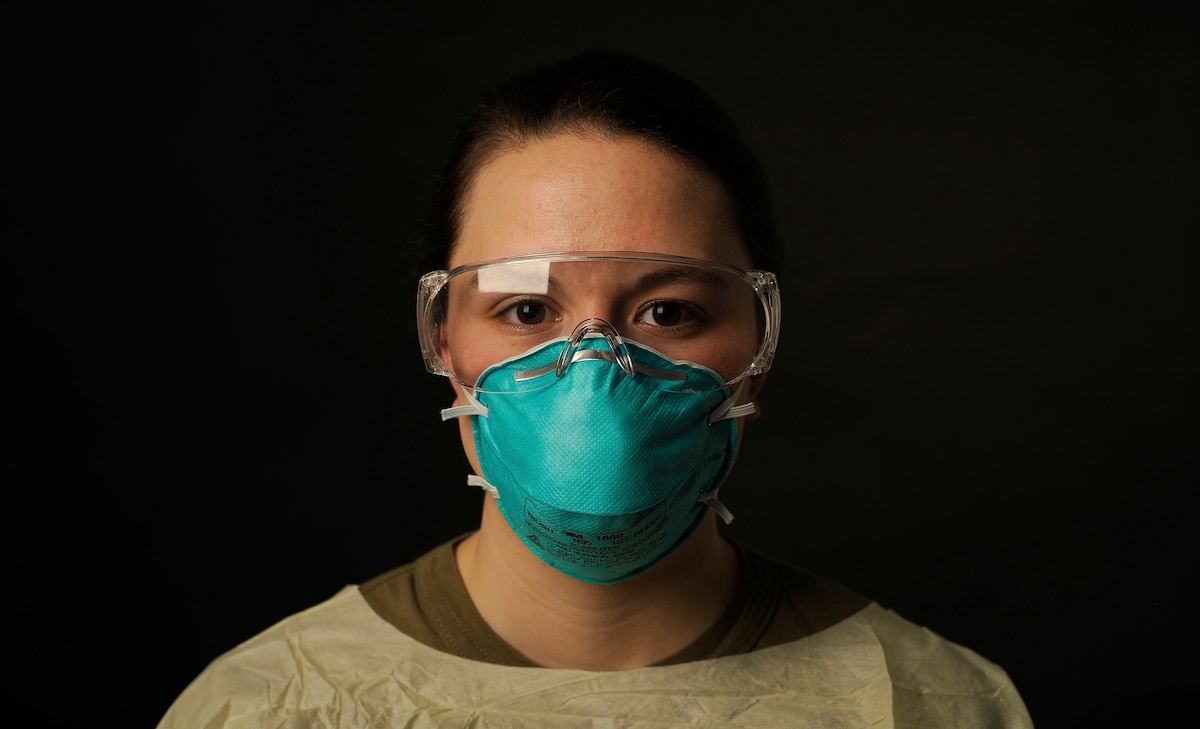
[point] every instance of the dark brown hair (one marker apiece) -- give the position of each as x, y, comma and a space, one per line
608, 94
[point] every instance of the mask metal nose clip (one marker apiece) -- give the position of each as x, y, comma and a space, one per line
593, 327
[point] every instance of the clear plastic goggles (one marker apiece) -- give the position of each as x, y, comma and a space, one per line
688, 310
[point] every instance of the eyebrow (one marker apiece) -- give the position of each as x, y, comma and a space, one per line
660, 277
663, 277
681, 273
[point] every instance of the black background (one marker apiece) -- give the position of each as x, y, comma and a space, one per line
983, 414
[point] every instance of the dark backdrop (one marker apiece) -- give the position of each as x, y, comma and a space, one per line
983, 414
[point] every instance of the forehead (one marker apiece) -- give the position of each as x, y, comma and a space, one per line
595, 194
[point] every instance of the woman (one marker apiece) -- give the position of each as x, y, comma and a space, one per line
602, 307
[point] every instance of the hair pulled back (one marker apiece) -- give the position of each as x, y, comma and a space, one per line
608, 94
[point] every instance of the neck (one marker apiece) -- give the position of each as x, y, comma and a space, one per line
558, 621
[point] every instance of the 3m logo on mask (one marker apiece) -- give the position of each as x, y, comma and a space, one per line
636, 539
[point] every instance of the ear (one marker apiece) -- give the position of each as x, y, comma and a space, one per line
753, 387
448, 359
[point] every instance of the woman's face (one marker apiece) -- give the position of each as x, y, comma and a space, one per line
594, 194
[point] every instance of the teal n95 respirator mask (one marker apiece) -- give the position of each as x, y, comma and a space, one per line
609, 467
604, 451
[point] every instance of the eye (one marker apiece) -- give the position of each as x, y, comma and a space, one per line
666, 314
528, 313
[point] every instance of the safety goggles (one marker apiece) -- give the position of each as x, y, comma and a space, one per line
688, 310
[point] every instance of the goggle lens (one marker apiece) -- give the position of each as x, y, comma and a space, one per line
688, 310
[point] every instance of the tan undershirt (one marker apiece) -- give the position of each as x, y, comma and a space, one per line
775, 604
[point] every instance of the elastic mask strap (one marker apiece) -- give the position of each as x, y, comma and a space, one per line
710, 499
729, 409
473, 480
473, 407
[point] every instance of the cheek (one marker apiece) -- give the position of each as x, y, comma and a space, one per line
463, 355
468, 442
467, 358
466, 434
734, 354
